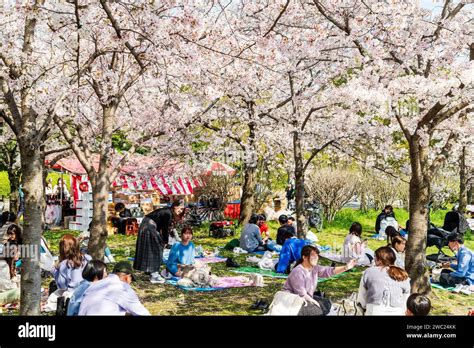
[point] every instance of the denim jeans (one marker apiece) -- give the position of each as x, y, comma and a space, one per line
271, 245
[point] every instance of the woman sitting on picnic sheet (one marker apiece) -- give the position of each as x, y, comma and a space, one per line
384, 289
398, 246
250, 238
9, 255
181, 254
153, 237
67, 272
303, 280
15, 238
463, 268
94, 271
353, 248
291, 252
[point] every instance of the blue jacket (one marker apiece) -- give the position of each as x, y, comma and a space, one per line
76, 298
290, 253
180, 254
465, 266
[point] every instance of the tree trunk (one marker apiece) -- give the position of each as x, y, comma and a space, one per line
247, 201
462, 181
415, 257
100, 196
363, 202
470, 194
32, 169
100, 186
299, 186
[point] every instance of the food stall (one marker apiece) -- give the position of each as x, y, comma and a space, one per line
141, 192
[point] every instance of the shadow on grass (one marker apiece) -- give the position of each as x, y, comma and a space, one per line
168, 300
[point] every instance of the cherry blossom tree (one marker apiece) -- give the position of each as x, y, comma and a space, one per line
416, 75
275, 59
129, 79
32, 89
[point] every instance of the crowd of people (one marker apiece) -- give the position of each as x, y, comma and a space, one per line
87, 287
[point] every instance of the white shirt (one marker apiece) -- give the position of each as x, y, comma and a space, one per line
111, 296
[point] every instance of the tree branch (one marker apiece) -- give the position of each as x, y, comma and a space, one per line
9, 121
82, 154
445, 152
362, 161
278, 18
315, 151
14, 71
12, 105
118, 31
61, 149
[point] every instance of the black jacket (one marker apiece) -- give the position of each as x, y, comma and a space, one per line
281, 233
163, 218
382, 216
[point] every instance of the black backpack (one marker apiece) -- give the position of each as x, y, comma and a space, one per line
63, 303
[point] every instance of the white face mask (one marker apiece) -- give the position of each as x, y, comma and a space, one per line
313, 261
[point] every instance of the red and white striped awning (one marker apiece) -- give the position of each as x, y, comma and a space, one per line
166, 185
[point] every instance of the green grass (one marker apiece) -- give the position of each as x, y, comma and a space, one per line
4, 184
168, 300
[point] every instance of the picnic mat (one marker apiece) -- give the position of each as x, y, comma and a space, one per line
338, 258
440, 287
210, 259
267, 273
223, 283
263, 272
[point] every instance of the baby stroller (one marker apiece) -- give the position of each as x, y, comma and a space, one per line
454, 222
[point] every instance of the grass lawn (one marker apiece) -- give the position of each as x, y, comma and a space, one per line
168, 300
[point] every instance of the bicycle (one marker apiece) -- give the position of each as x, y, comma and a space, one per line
313, 212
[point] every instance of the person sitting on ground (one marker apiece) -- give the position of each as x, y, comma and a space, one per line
67, 271
463, 268
181, 254
303, 280
9, 282
418, 305
250, 238
94, 271
355, 248
262, 225
384, 289
386, 212
121, 221
283, 220
398, 245
291, 252
113, 295
15, 238
9, 219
